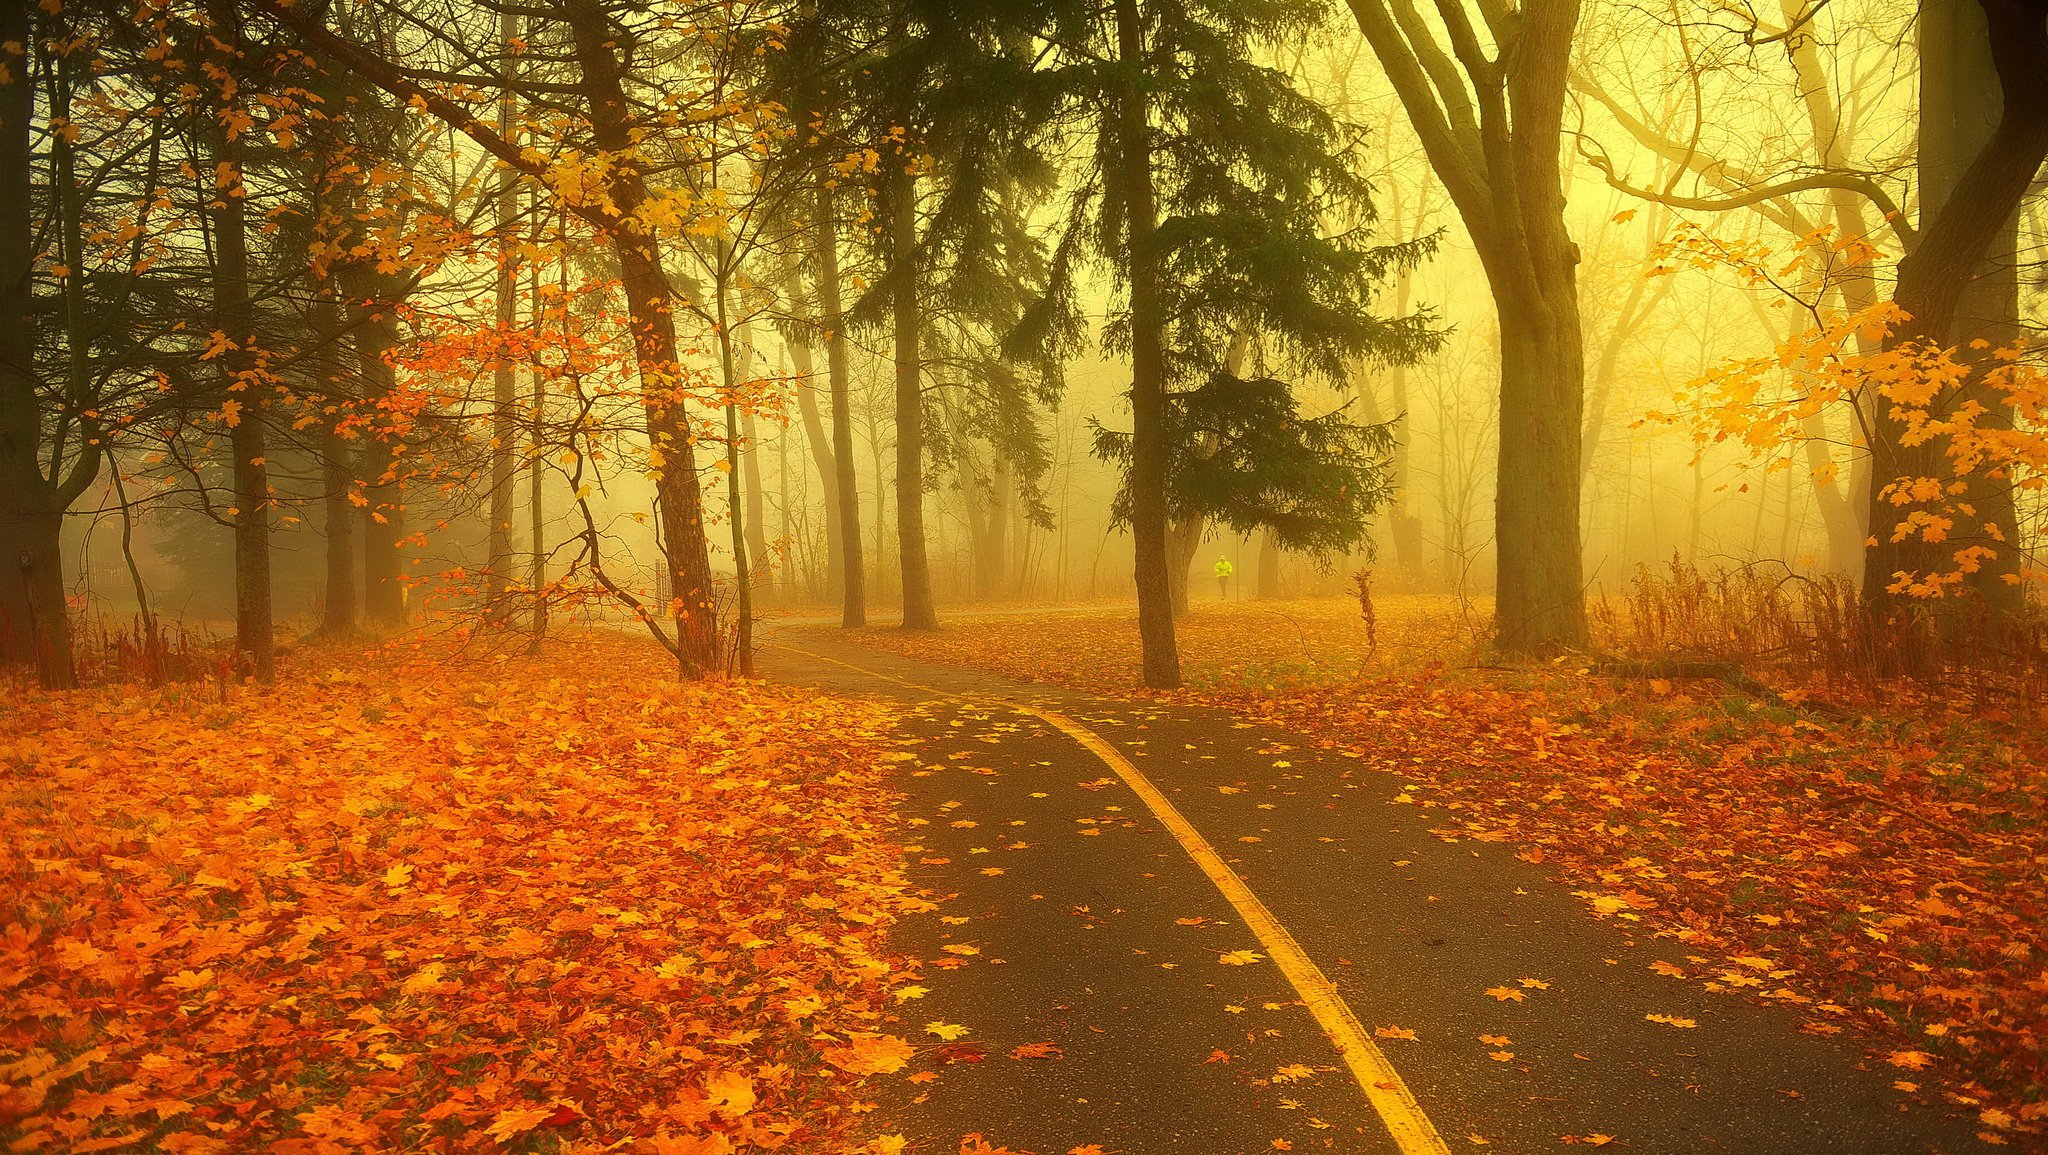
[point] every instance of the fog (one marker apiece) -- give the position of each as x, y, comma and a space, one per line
456, 329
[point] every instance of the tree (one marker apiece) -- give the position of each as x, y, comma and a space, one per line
1491, 123
246, 383
45, 464
1211, 184
1804, 178
629, 216
1244, 456
1946, 291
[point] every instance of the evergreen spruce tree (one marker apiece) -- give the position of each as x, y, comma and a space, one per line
1211, 181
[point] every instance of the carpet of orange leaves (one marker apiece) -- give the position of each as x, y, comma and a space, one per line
444, 901
1881, 871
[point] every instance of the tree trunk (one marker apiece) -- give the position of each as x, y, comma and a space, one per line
1269, 564
1152, 568
743, 577
1959, 112
1942, 283
536, 505
650, 306
376, 334
1844, 515
854, 609
35, 626
762, 566
1183, 542
1501, 170
337, 474
991, 575
242, 378
338, 614
1838, 513
1404, 524
504, 391
1540, 594
881, 500
823, 456
919, 611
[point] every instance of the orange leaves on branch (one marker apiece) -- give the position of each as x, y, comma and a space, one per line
1978, 410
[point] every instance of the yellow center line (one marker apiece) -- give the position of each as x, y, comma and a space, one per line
1384, 1088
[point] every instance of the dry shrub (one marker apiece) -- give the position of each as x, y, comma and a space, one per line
134, 651
1765, 616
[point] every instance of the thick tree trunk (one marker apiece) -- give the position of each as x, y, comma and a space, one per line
1959, 112
1540, 594
919, 610
1152, 568
853, 583
1540, 590
1944, 284
242, 378
35, 627
1501, 170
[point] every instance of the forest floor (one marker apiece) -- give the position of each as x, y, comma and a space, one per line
445, 899
1875, 867
443, 896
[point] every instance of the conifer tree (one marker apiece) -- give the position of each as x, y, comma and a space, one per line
1207, 198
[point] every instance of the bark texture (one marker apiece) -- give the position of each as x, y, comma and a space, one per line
1133, 178
854, 607
920, 612
1492, 129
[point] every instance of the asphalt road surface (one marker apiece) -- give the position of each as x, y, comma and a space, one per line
1382, 991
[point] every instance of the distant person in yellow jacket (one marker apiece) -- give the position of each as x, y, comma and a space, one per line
1223, 571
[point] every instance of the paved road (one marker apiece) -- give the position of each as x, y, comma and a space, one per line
1076, 917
